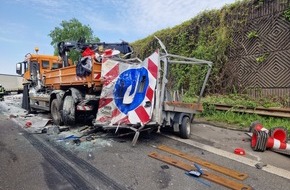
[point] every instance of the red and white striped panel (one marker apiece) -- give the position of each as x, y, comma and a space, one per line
109, 74
84, 108
97, 75
108, 113
143, 114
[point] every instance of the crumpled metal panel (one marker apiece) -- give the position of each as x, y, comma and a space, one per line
128, 91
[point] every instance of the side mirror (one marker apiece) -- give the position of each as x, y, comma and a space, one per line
19, 69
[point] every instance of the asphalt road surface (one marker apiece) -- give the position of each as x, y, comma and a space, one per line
41, 161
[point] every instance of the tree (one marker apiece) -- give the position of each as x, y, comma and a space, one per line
71, 30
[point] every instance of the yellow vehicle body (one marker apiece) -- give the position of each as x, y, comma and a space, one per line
67, 77
53, 75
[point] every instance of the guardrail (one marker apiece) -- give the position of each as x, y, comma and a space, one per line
274, 112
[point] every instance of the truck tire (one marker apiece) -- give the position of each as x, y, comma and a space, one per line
184, 128
68, 111
56, 111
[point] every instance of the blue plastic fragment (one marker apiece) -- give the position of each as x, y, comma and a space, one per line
198, 168
71, 137
198, 179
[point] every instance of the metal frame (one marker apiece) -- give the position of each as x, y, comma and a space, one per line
168, 59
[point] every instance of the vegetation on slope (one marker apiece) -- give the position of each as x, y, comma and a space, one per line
209, 36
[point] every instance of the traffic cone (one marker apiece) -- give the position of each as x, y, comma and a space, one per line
273, 143
279, 133
258, 126
261, 141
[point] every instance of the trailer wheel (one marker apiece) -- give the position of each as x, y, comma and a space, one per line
184, 128
55, 111
68, 111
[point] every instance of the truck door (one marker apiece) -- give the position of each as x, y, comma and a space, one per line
34, 73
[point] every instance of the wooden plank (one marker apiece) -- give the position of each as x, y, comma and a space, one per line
213, 166
209, 176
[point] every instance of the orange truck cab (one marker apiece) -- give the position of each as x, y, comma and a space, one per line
37, 64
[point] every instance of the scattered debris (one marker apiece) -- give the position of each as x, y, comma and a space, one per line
36, 125
207, 175
260, 165
12, 116
52, 130
89, 138
28, 124
90, 156
63, 128
70, 137
199, 180
83, 128
194, 173
227, 171
240, 151
40, 123
77, 142
27, 115
199, 169
164, 167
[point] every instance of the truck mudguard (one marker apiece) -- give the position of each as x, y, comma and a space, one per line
75, 93
177, 119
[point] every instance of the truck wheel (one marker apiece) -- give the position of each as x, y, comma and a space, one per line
55, 111
184, 128
68, 111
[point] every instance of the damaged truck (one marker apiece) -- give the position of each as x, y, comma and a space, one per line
107, 89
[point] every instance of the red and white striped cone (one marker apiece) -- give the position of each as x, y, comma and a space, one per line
277, 144
258, 126
279, 133
261, 141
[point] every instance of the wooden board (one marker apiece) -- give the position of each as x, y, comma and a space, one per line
209, 176
218, 168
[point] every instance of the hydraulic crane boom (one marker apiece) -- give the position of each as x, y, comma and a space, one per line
64, 47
